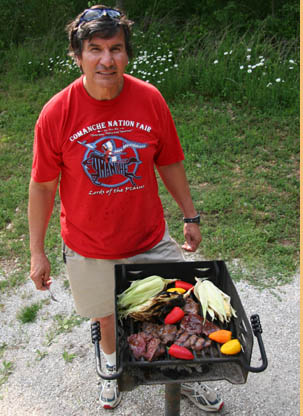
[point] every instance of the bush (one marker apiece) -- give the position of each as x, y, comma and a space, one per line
21, 20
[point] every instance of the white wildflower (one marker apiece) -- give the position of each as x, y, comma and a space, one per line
216, 61
278, 79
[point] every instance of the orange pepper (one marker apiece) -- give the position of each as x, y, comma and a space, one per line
220, 336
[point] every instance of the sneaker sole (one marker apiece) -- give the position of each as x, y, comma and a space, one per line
108, 406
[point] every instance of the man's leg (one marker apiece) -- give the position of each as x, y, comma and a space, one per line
108, 338
92, 286
110, 395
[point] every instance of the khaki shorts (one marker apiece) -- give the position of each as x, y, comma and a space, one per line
92, 281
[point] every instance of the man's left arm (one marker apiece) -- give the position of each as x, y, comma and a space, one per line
174, 178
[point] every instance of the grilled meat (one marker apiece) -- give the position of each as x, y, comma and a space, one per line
192, 323
166, 333
209, 327
146, 346
191, 306
150, 342
137, 343
192, 341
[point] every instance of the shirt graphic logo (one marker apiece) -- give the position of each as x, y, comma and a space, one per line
111, 161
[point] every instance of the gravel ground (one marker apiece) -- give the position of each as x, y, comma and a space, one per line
43, 383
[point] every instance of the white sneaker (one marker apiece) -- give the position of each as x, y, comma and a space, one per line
202, 396
110, 396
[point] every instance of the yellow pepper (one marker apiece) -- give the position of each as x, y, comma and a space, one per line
176, 289
231, 347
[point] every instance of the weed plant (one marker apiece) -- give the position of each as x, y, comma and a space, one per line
68, 358
63, 324
6, 371
29, 313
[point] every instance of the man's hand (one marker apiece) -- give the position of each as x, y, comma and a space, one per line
40, 206
40, 271
192, 236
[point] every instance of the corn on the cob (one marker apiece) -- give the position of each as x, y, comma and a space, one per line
141, 292
213, 301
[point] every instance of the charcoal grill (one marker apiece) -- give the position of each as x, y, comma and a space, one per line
209, 365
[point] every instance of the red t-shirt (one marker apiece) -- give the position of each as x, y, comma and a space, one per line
105, 152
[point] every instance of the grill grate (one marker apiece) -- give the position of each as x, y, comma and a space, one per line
209, 364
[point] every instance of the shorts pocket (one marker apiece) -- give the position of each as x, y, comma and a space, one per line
68, 253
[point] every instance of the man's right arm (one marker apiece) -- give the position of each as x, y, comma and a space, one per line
40, 207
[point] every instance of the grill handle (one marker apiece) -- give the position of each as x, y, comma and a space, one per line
257, 329
96, 337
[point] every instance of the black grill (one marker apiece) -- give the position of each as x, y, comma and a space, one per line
210, 364
207, 365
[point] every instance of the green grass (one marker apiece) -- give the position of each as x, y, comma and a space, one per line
68, 358
6, 371
243, 169
239, 135
63, 324
29, 313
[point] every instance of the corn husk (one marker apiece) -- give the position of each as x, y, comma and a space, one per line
153, 308
213, 301
140, 294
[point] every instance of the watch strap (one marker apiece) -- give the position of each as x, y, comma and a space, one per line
194, 220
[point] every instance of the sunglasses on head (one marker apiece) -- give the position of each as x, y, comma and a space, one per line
92, 14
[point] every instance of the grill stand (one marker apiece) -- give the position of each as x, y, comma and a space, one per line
172, 399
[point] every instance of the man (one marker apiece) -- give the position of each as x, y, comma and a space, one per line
102, 136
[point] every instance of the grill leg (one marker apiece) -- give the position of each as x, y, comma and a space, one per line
172, 399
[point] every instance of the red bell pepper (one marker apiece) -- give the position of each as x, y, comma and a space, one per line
175, 315
183, 285
178, 351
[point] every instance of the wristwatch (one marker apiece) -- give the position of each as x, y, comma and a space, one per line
195, 220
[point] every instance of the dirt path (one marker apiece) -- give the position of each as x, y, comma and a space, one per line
43, 383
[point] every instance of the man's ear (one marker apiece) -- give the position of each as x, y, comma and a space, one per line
77, 60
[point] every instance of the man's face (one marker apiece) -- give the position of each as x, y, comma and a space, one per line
103, 63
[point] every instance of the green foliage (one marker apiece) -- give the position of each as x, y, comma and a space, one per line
63, 324
20, 20
248, 187
246, 69
6, 371
40, 355
68, 358
234, 93
29, 313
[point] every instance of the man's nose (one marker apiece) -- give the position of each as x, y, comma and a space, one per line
106, 58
